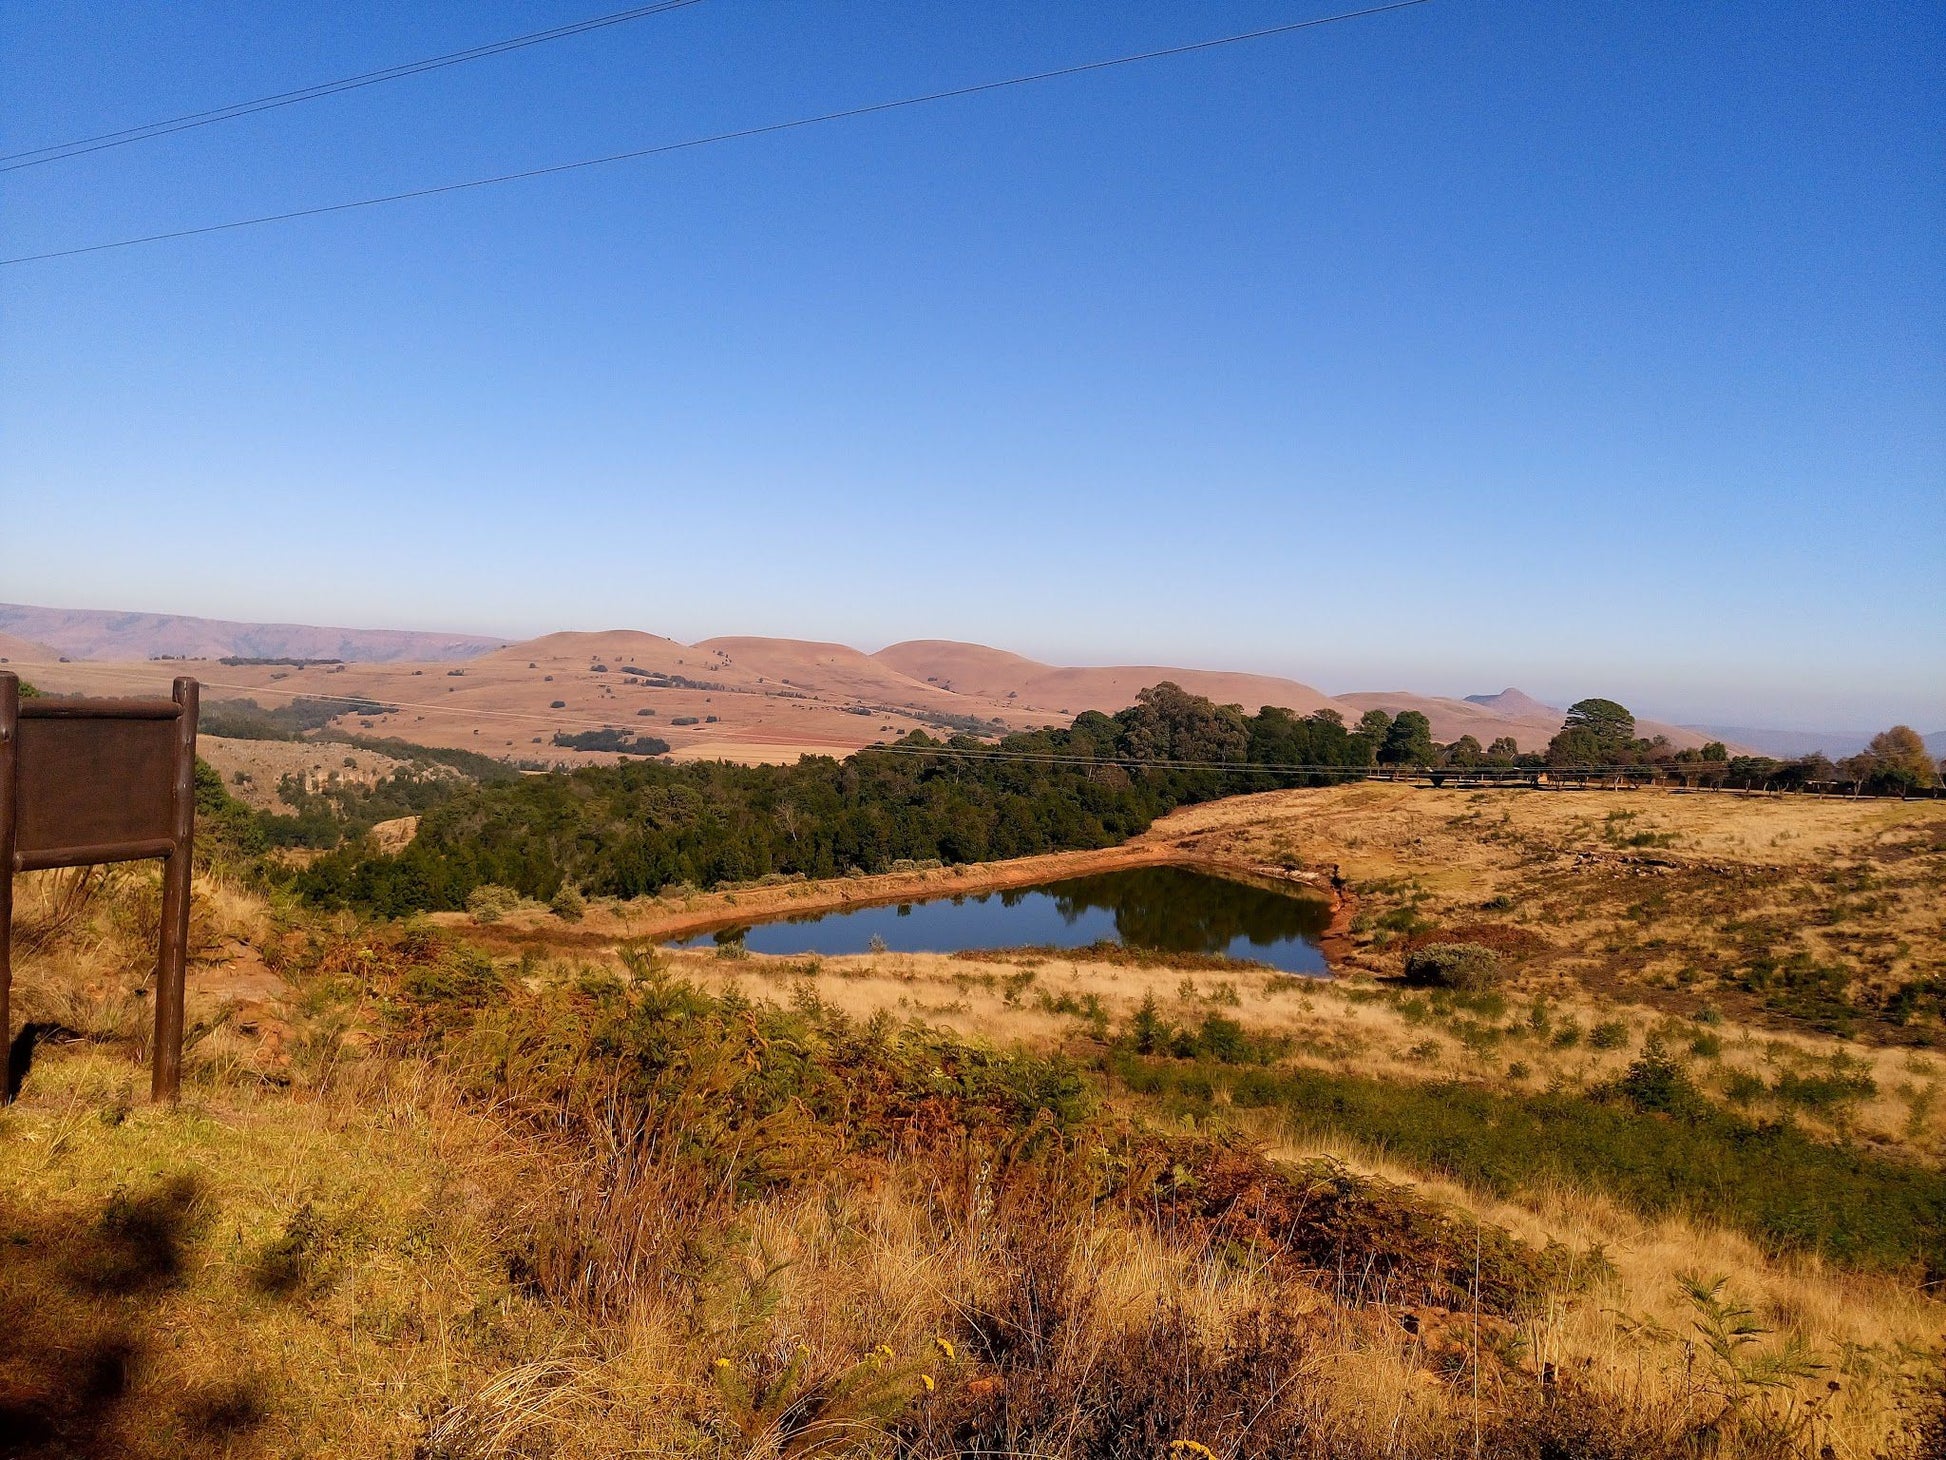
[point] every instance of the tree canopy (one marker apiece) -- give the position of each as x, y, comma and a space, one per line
636, 828
1595, 732
1896, 761
1408, 741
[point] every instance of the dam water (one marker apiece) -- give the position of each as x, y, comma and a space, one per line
1163, 909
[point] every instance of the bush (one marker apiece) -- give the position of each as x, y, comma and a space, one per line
1656, 1084
624, 741
568, 904
1464, 966
491, 902
1610, 1034
1771, 1180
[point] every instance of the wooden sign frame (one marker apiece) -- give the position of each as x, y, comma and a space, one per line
85, 781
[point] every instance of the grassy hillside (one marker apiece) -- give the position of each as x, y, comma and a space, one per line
421, 1199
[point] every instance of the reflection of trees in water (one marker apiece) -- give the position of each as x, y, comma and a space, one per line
1190, 912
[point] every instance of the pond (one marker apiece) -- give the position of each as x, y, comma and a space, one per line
1168, 909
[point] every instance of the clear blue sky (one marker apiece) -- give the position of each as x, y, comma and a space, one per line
1594, 348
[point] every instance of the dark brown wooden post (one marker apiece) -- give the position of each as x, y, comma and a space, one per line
9, 813
172, 959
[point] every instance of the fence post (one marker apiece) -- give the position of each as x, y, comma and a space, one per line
172, 957
9, 803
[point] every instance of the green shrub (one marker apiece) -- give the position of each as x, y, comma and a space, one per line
1655, 1083
1844, 1085
491, 902
1772, 1181
1464, 966
568, 904
1740, 1087
1609, 1034
1803, 989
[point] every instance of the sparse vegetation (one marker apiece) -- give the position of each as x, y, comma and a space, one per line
1063, 1202
1466, 967
1651, 1139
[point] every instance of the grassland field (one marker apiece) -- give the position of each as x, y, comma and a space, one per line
536, 1187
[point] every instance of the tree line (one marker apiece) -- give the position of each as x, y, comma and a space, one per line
634, 829
1600, 734
637, 828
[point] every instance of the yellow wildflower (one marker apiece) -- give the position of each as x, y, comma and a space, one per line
1190, 1447
926, 1379
945, 1346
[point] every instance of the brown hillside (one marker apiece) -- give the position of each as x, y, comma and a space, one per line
14, 649
968, 669
747, 699
976, 670
830, 670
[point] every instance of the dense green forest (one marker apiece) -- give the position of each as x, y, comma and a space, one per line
633, 829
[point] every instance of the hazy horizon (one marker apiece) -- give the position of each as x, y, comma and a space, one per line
1440, 683
1464, 346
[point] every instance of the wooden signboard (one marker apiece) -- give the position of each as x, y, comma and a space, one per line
85, 781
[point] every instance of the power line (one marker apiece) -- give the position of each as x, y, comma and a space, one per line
740, 134
81, 146
1143, 762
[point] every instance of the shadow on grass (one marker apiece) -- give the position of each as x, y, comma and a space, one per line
81, 1299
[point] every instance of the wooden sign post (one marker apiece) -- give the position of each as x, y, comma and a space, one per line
85, 781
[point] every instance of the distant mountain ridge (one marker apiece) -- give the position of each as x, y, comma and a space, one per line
91, 633
735, 697
1516, 703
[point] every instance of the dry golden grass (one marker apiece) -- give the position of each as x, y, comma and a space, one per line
1653, 895
1354, 1027
1870, 1332
320, 1252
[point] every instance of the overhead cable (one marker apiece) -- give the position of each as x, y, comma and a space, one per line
712, 139
81, 146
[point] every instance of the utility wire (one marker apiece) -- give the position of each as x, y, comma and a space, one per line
740, 134
81, 146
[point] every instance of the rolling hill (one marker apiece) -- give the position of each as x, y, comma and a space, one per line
88, 633
974, 669
13, 648
740, 698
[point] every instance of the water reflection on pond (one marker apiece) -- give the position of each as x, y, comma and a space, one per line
1169, 909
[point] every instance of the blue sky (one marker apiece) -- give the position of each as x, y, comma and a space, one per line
1589, 348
